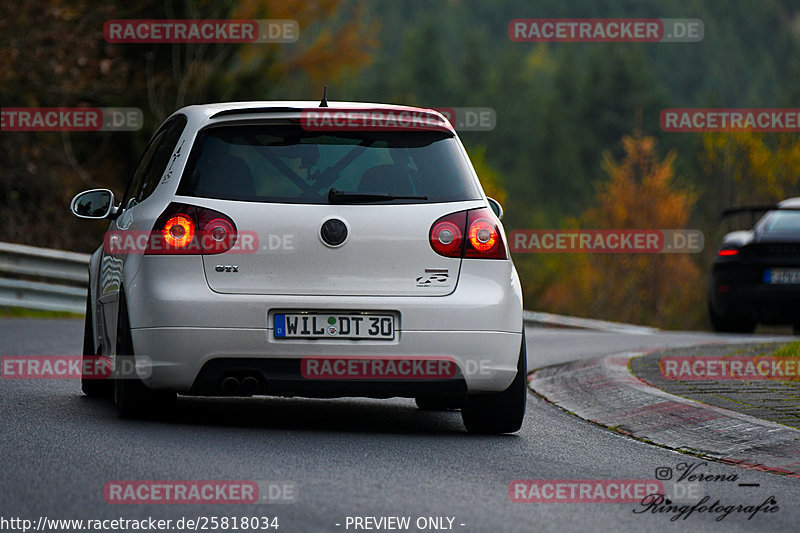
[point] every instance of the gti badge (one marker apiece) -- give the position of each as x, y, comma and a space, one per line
226, 268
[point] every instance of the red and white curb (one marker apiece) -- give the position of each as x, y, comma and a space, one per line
603, 390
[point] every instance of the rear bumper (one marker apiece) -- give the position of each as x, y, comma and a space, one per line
738, 292
196, 360
762, 303
284, 377
194, 337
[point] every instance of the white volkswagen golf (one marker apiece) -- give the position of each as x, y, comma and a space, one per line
299, 249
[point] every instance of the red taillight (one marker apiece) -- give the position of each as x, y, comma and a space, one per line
218, 235
727, 252
482, 235
447, 234
187, 229
178, 231
483, 238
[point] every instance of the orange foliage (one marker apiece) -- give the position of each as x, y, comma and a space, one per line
752, 167
657, 289
490, 179
334, 49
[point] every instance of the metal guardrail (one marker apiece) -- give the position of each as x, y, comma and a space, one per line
549, 320
70, 268
67, 269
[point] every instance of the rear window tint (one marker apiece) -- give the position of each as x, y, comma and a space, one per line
286, 164
780, 222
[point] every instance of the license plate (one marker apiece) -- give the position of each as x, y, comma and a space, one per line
337, 326
782, 276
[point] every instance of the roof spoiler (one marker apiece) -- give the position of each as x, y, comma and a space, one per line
751, 209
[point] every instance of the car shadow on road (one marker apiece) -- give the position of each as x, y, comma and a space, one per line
342, 415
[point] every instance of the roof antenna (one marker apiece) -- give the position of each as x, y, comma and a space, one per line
324, 102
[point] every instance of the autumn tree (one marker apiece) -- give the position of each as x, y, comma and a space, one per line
53, 54
747, 168
663, 290
490, 178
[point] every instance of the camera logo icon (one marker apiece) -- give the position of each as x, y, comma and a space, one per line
663, 473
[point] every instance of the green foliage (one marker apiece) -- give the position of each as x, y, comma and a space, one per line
788, 350
53, 54
560, 106
490, 178
21, 312
649, 288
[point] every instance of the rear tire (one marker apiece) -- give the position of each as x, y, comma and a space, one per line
723, 324
132, 398
501, 412
439, 403
99, 388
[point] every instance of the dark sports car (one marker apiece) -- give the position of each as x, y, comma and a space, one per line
756, 274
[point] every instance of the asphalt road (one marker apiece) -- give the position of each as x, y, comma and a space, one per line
347, 458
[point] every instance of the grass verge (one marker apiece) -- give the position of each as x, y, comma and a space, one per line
21, 312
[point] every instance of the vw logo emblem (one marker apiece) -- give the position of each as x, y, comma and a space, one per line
333, 232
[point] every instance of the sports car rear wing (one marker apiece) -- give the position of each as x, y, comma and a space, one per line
755, 210
751, 209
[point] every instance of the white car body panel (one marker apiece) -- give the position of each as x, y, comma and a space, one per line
184, 313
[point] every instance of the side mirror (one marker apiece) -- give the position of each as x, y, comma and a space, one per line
496, 207
94, 204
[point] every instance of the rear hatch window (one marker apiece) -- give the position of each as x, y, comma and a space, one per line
780, 223
275, 183
287, 164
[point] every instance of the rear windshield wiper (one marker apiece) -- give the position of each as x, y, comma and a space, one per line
344, 197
